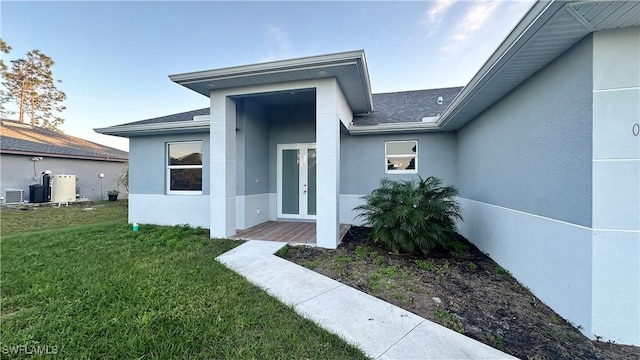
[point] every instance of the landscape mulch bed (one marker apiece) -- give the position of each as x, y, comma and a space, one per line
462, 289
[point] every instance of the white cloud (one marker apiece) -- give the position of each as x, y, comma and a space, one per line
480, 13
277, 43
433, 17
438, 9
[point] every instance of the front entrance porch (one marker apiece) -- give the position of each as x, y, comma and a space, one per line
292, 232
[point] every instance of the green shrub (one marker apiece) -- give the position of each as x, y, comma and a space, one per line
412, 215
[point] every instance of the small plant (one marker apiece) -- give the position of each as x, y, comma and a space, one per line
442, 268
424, 265
459, 249
123, 178
495, 340
361, 252
375, 288
554, 320
113, 192
284, 252
409, 216
449, 320
502, 271
472, 265
404, 275
399, 296
378, 259
388, 271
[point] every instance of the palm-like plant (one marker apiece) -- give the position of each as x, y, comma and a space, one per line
410, 216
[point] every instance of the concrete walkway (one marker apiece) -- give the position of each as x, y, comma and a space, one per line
381, 330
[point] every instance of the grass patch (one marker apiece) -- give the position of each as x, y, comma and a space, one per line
104, 291
15, 220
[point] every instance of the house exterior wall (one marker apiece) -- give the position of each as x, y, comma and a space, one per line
148, 200
17, 172
543, 127
362, 165
524, 173
252, 144
616, 186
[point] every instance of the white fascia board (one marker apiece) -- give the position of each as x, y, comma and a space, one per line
393, 128
155, 128
537, 16
267, 67
364, 75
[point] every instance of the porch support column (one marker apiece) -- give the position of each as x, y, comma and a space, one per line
222, 166
328, 165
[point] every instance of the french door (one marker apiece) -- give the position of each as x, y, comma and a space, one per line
297, 181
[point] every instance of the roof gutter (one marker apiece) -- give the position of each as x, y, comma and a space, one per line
409, 127
188, 126
355, 58
265, 67
539, 14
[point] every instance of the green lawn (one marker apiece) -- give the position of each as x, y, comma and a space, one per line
100, 290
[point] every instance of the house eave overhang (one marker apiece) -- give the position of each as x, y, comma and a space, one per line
547, 30
349, 68
176, 127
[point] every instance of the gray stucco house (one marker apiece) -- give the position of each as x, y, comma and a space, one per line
26, 151
542, 143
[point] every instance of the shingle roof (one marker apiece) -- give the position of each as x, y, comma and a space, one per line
395, 107
183, 116
407, 106
19, 138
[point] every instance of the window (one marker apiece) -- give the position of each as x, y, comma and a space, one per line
184, 167
401, 157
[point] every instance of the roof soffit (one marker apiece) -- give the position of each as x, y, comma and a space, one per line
548, 30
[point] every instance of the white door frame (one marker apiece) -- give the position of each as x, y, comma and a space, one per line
303, 180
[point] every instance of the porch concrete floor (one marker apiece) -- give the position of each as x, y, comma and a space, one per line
292, 232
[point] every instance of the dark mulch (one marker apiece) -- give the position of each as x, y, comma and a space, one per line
461, 288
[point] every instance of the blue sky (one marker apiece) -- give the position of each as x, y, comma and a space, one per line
114, 56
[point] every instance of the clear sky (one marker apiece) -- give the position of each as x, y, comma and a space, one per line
114, 56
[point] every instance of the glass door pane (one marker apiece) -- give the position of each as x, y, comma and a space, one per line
311, 179
290, 181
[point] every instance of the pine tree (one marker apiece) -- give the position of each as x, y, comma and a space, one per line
30, 84
4, 50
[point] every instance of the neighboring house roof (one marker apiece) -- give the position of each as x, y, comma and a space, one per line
24, 139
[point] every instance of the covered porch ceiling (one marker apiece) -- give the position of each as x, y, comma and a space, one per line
349, 68
300, 97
